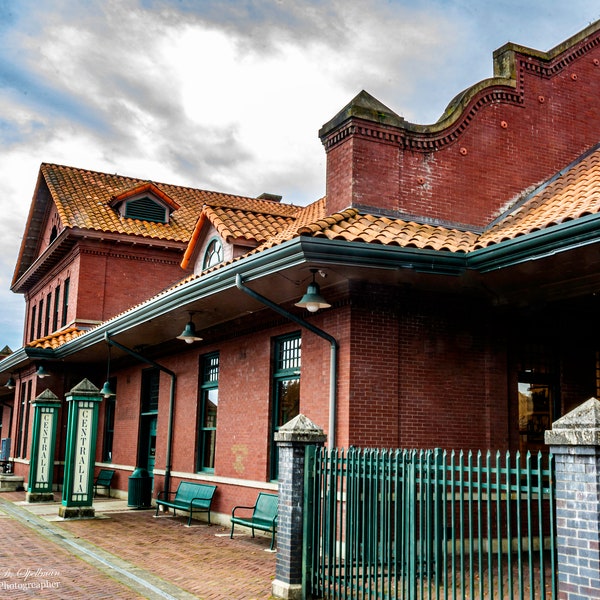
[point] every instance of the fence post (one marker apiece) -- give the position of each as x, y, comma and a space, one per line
292, 439
574, 441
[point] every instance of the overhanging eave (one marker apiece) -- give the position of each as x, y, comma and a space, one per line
539, 244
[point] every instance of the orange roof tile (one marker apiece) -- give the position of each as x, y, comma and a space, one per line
351, 226
573, 194
83, 200
233, 223
57, 339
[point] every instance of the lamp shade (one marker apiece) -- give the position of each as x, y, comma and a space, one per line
313, 300
106, 390
188, 335
41, 372
10, 384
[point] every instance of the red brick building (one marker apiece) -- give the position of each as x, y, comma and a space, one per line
459, 262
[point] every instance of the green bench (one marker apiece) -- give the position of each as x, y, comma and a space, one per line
192, 497
263, 517
104, 479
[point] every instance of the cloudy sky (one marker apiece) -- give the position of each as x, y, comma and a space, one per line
228, 95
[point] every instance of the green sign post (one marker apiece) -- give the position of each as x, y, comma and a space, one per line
80, 456
41, 466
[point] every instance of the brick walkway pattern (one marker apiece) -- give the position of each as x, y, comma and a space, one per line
193, 562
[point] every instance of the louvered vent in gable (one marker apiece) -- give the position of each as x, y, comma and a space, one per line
146, 209
145, 202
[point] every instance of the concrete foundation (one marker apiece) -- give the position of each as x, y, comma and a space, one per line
39, 497
76, 512
10, 483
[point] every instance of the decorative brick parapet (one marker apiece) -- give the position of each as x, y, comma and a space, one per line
575, 442
292, 439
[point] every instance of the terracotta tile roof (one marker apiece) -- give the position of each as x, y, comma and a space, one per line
573, 194
303, 216
83, 200
247, 221
57, 339
351, 226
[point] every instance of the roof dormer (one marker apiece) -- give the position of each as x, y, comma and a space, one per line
145, 202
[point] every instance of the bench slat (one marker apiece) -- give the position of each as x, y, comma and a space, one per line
264, 515
191, 497
104, 479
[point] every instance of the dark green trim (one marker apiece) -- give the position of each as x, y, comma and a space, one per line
539, 244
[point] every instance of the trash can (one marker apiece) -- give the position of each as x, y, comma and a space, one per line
140, 489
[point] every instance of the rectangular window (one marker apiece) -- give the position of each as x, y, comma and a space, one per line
23, 424
286, 388
109, 423
150, 387
32, 324
65, 306
26, 427
209, 401
149, 419
538, 396
48, 309
20, 419
56, 308
40, 319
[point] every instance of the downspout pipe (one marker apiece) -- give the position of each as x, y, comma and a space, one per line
173, 377
333, 368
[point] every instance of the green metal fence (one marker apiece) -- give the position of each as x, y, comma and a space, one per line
425, 524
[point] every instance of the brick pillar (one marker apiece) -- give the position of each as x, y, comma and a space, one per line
575, 442
292, 439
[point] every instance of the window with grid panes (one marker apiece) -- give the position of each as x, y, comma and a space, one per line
209, 402
286, 388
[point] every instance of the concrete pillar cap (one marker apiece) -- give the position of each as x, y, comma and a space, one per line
580, 427
300, 429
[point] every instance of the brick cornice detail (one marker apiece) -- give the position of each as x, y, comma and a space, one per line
421, 141
128, 256
511, 64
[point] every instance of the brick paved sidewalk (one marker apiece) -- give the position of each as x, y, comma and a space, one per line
168, 559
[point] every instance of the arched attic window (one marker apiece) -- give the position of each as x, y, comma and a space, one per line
213, 255
53, 234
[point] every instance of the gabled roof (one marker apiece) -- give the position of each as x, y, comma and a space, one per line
249, 219
145, 188
85, 200
249, 222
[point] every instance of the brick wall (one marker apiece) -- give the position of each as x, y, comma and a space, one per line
114, 278
104, 280
467, 169
424, 372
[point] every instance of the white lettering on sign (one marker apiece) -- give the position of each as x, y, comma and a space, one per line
43, 459
81, 475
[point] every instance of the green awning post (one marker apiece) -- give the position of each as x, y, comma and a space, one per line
43, 443
80, 457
